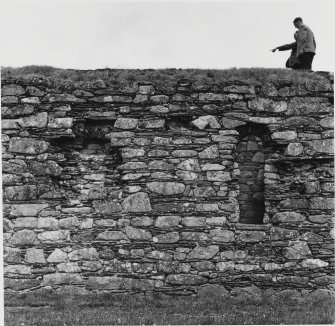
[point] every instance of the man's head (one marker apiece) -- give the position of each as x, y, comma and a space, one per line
297, 22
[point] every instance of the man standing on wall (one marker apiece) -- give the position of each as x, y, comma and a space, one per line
305, 44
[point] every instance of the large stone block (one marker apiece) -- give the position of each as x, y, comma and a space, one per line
170, 237
27, 209
132, 152
294, 149
206, 121
21, 284
323, 146
27, 146
137, 203
137, 234
185, 279
166, 188
83, 254
296, 250
252, 236
60, 123
219, 235
287, 135
166, 222
35, 256
57, 256
12, 90
24, 237
268, 105
54, 236
21, 193
106, 207
34, 121
12, 255
126, 123
48, 168
210, 152
322, 203
62, 279
203, 252
218, 176
111, 236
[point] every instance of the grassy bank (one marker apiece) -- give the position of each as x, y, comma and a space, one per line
109, 309
126, 76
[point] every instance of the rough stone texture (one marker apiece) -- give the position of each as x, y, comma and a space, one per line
154, 187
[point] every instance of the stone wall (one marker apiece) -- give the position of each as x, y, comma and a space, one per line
142, 188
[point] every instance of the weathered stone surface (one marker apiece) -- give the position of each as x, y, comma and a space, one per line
283, 234
263, 104
61, 278
218, 176
132, 152
185, 279
27, 209
206, 121
34, 121
83, 254
20, 284
321, 203
194, 236
184, 153
142, 221
16, 111
308, 105
25, 223
203, 252
297, 250
210, 152
231, 123
69, 222
11, 90
212, 167
152, 124
60, 123
213, 290
126, 123
27, 146
111, 236
137, 234
327, 122
193, 221
24, 237
323, 146
294, 203
35, 256
67, 98
166, 188
14, 166
146, 89
166, 222
171, 237
57, 256
288, 135
12, 255
187, 170
314, 263
47, 168
137, 203
54, 236
319, 219
204, 192
219, 235
106, 207
21, 193
252, 236
294, 149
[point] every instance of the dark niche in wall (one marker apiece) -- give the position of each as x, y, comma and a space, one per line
90, 162
252, 150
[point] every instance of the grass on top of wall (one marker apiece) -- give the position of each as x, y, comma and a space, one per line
128, 76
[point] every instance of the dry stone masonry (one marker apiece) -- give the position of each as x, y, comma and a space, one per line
180, 189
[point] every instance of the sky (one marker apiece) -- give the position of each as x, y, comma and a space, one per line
95, 34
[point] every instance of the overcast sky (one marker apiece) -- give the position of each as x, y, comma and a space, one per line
91, 34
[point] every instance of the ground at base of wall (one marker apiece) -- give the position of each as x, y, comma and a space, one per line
284, 307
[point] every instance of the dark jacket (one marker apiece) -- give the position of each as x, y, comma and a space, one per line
292, 61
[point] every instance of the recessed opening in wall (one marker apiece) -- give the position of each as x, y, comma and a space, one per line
251, 152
